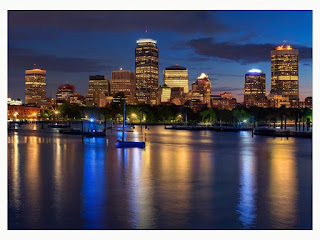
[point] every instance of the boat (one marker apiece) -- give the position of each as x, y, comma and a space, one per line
126, 144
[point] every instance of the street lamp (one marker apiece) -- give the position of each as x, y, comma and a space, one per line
55, 114
15, 115
134, 116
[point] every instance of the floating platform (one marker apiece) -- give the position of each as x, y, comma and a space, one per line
281, 133
212, 128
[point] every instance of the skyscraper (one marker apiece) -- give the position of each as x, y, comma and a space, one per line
255, 88
202, 86
285, 73
124, 81
35, 86
146, 68
99, 87
176, 76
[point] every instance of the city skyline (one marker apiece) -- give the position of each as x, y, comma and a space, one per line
213, 49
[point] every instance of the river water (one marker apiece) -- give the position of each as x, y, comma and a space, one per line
181, 180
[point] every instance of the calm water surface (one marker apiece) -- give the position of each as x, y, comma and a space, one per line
181, 180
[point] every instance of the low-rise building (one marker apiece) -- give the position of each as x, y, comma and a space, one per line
23, 112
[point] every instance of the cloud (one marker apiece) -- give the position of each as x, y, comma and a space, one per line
25, 58
31, 34
241, 53
118, 21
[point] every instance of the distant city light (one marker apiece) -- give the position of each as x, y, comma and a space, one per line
91, 119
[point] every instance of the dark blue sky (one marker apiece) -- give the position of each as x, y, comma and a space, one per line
71, 45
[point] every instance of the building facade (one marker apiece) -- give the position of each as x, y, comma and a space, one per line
99, 88
124, 81
202, 87
146, 69
64, 93
35, 86
223, 101
285, 73
255, 88
176, 76
14, 102
23, 112
164, 94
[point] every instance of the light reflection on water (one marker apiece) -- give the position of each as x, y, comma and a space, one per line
283, 184
181, 180
247, 204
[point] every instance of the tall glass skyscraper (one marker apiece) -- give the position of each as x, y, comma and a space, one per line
255, 88
35, 86
176, 76
285, 73
146, 68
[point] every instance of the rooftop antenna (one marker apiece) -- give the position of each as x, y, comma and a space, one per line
146, 32
284, 42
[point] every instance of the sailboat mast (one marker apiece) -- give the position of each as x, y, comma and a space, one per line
124, 118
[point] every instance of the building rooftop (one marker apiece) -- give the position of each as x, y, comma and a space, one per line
282, 47
175, 67
66, 86
146, 40
203, 76
254, 72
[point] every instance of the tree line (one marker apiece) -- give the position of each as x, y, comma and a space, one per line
175, 113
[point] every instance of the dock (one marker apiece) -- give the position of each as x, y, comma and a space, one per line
282, 133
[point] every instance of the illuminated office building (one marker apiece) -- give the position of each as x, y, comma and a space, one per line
35, 86
99, 87
12, 102
285, 73
176, 76
64, 93
255, 88
164, 94
223, 101
124, 81
202, 86
146, 69
22, 112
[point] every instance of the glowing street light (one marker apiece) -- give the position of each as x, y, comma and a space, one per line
134, 115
